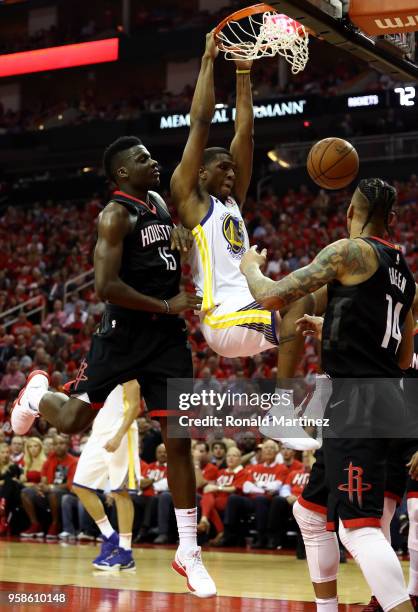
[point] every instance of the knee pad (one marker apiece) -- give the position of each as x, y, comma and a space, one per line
322, 550
312, 524
378, 562
355, 538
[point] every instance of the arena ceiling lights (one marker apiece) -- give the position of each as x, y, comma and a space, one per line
56, 58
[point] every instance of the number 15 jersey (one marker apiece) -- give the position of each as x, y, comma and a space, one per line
363, 323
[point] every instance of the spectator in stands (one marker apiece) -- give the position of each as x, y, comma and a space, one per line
17, 451
205, 471
56, 381
56, 480
149, 438
55, 318
215, 495
21, 324
9, 487
218, 454
14, 379
34, 459
289, 462
153, 483
247, 443
48, 444
7, 351
262, 483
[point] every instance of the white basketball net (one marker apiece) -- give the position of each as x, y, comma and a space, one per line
265, 35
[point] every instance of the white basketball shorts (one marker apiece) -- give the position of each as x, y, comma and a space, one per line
240, 327
97, 468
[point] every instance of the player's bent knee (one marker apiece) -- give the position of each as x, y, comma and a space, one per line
312, 524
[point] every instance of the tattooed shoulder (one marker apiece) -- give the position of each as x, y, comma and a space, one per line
356, 261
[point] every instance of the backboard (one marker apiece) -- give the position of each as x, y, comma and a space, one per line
392, 54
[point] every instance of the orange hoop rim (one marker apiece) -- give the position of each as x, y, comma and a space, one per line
262, 7
244, 12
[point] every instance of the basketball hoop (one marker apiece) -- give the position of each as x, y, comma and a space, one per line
260, 31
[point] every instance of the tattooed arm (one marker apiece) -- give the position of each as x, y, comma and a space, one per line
343, 260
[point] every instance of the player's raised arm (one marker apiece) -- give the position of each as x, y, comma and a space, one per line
185, 180
114, 225
336, 261
242, 145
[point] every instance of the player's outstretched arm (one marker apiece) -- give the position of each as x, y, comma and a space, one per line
185, 180
242, 145
336, 261
114, 225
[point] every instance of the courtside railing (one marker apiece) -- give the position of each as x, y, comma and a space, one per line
30, 307
78, 283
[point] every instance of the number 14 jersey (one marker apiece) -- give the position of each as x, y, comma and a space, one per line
363, 323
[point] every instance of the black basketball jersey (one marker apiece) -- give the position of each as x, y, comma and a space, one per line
148, 263
363, 323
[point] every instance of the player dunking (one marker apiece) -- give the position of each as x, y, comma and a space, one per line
370, 291
209, 188
141, 335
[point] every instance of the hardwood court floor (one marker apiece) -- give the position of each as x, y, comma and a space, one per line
246, 581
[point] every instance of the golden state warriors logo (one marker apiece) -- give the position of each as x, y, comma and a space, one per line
233, 231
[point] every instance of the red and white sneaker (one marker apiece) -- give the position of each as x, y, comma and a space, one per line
34, 531
23, 415
190, 566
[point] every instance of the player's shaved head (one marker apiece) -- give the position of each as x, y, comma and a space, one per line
114, 154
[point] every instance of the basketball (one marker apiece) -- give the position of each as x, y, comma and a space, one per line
333, 163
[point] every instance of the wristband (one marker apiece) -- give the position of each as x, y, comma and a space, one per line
242, 71
167, 306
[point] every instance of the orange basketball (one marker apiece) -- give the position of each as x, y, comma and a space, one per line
333, 163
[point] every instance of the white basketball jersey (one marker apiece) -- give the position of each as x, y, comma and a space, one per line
221, 239
110, 417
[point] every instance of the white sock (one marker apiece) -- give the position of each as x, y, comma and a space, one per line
327, 605
187, 527
125, 541
105, 527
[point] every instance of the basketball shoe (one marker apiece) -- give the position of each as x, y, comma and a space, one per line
119, 559
109, 546
190, 566
25, 408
